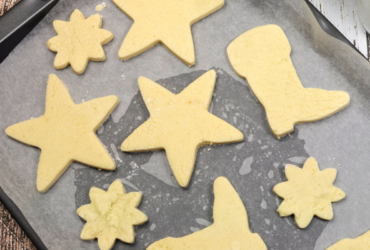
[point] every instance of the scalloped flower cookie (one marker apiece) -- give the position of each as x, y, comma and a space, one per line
66, 133
79, 41
262, 56
230, 230
180, 124
165, 21
111, 215
308, 192
360, 243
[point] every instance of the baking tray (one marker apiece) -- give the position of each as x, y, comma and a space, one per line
24, 224
19, 21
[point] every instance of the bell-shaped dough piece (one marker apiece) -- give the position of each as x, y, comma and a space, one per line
360, 243
262, 56
230, 229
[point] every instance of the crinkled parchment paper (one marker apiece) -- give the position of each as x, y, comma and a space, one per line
253, 166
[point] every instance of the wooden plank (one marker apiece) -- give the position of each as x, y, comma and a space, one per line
6, 5
12, 236
342, 14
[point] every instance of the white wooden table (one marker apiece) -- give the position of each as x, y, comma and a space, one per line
342, 14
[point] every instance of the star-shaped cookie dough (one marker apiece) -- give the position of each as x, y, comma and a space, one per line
66, 133
360, 243
111, 215
180, 124
79, 41
308, 192
230, 230
165, 21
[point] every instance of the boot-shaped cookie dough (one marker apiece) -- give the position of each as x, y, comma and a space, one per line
262, 56
230, 229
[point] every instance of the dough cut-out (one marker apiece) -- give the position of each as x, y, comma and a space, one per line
165, 21
111, 215
308, 192
66, 133
360, 243
230, 229
180, 124
262, 56
79, 41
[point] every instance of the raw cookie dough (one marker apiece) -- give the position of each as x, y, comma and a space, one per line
360, 243
308, 192
180, 124
262, 56
100, 7
165, 21
230, 229
79, 41
66, 133
111, 215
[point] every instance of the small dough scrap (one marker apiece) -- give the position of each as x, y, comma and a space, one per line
308, 192
360, 243
79, 41
165, 21
180, 124
66, 133
230, 229
111, 215
100, 7
262, 56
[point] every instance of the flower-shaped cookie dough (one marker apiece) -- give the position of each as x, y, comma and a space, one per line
308, 192
111, 215
79, 41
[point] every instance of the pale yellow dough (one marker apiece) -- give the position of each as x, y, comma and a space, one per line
360, 243
230, 230
165, 21
180, 124
100, 7
262, 56
79, 41
66, 133
111, 215
308, 192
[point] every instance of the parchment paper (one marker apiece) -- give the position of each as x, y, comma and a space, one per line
253, 166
